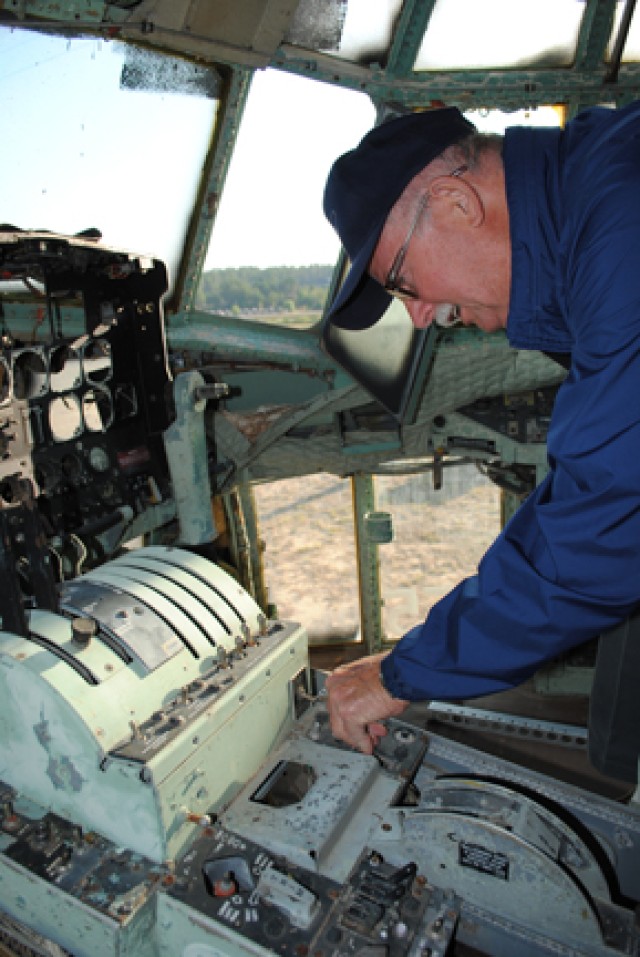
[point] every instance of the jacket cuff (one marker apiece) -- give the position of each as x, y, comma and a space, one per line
386, 678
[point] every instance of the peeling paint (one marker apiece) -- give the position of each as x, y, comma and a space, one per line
64, 775
252, 425
42, 733
60, 770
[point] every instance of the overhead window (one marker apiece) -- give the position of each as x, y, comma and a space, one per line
467, 35
631, 48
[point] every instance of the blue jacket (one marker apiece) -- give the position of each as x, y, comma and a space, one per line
567, 566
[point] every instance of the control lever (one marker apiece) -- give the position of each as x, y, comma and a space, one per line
289, 896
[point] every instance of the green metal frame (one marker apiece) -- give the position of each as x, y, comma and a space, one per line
210, 190
590, 79
363, 491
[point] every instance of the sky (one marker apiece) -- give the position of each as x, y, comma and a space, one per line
271, 210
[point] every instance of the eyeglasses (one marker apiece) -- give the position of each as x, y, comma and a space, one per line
391, 284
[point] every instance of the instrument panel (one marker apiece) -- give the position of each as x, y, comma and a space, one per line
82, 411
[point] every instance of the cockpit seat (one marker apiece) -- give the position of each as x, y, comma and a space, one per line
614, 710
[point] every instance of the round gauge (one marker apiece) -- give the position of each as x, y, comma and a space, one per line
98, 459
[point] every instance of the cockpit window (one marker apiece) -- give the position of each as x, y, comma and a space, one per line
544, 32
270, 233
96, 140
631, 49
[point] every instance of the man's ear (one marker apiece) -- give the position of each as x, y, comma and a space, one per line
456, 197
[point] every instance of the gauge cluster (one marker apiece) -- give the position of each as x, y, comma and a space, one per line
82, 411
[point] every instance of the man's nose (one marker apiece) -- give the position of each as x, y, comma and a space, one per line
421, 313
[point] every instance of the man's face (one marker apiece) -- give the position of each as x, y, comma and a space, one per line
452, 255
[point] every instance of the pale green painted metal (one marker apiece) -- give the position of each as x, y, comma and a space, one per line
286, 423
585, 82
256, 711
256, 546
595, 31
227, 338
509, 505
61, 737
238, 542
363, 491
379, 526
214, 175
60, 917
503, 447
186, 448
84, 12
27, 319
482, 89
205, 936
590, 53
466, 367
392, 445
146, 523
408, 35
582, 84
564, 678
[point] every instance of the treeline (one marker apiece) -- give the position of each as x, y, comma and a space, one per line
277, 289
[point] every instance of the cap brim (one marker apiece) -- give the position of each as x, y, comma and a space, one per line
361, 301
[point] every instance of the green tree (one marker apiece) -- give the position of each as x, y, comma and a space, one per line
276, 289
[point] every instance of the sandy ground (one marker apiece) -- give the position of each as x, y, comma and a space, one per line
310, 555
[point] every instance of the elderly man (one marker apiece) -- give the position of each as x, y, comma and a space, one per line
538, 234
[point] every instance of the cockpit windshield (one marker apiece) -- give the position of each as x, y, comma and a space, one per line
133, 146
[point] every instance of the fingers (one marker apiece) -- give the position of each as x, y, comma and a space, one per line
357, 703
377, 731
355, 734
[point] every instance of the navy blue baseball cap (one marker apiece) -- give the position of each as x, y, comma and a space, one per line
363, 186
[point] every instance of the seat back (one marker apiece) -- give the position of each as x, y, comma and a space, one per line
614, 709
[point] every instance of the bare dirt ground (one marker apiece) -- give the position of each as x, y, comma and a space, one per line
310, 553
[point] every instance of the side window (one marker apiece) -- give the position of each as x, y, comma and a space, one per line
310, 567
439, 538
272, 251
310, 552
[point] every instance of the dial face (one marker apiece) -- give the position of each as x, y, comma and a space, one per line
98, 459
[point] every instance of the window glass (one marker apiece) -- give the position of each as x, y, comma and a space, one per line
439, 538
496, 121
310, 559
368, 29
468, 35
94, 140
270, 213
631, 52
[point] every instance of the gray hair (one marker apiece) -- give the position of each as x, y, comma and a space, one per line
468, 151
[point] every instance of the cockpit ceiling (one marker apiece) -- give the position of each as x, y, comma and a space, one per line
493, 53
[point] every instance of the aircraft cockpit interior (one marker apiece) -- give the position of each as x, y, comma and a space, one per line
169, 782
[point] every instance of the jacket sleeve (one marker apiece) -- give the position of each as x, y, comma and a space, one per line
567, 566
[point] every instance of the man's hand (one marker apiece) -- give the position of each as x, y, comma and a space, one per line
358, 703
